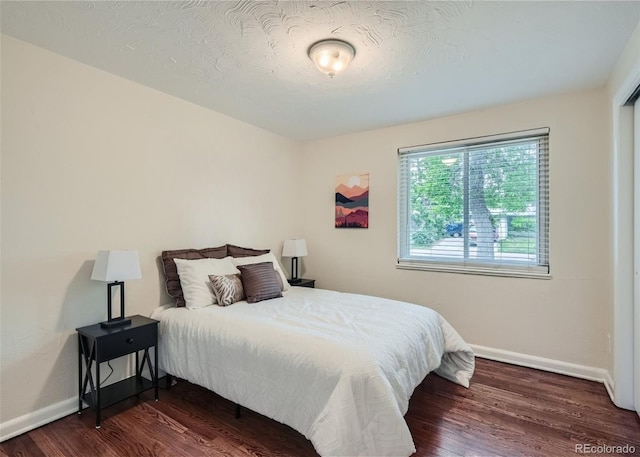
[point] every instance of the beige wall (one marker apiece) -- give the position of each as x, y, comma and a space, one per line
91, 161
565, 318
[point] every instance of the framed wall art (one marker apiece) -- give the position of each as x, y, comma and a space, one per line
352, 201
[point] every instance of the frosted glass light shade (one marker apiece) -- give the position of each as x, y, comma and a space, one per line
294, 248
116, 266
331, 56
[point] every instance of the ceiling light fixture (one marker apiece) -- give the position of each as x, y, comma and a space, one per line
331, 56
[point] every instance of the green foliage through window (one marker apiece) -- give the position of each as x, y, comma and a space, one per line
480, 202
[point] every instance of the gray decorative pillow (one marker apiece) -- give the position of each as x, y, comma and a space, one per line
260, 281
227, 289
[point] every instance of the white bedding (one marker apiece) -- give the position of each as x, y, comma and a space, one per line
339, 368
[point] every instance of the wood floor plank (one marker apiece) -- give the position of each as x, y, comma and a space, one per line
508, 411
21, 447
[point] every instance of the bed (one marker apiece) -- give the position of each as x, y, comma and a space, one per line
337, 367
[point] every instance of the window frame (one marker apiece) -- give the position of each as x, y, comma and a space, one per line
538, 270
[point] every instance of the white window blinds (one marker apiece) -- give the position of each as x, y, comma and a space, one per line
476, 206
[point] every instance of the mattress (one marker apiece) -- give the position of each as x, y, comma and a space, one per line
339, 368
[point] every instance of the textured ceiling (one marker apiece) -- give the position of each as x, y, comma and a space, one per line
414, 59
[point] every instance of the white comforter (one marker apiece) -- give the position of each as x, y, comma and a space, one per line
337, 367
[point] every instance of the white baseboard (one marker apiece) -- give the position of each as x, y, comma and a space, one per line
43, 416
609, 385
541, 363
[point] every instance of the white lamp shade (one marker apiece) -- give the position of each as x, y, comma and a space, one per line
294, 248
116, 266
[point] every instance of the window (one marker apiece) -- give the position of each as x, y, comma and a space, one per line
476, 206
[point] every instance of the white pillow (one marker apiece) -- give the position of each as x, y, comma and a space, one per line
269, 257
194, 279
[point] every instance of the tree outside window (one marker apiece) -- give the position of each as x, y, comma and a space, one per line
483, 202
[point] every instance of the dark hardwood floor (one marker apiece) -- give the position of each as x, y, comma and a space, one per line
507, 411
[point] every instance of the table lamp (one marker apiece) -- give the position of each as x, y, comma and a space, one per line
294, 249
115, 267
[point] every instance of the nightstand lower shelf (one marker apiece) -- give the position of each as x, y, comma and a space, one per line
118, 391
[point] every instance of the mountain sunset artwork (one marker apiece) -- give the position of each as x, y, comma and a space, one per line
352, 201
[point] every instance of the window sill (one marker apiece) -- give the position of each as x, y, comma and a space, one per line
483, 270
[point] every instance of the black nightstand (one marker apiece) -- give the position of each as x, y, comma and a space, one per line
97, 344
300, 282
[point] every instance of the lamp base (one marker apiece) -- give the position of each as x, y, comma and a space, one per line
117, 322
293, 281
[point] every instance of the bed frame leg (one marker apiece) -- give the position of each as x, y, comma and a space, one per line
168, 381
238, 411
